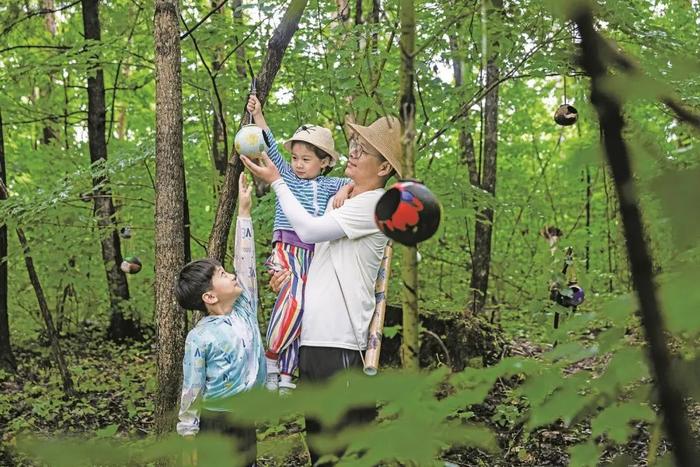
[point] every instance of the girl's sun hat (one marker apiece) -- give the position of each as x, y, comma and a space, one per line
384, 135
316, 136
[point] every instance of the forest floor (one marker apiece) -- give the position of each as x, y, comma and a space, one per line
115, 386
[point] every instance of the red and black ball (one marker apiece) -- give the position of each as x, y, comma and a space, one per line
408, 212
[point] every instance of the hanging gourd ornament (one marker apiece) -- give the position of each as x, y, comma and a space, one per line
408, 212
131, 265
566, 115
249, 141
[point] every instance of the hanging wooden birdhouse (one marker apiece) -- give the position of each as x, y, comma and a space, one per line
566, 115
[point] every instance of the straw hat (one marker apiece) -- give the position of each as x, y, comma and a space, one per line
316, 136
384, 136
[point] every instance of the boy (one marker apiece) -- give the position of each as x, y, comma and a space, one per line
313, 156
224, 351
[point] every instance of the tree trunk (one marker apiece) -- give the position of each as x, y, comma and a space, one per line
466, 141
612, 123
119, 325
49, 132
588, 218
343, 10
271, 65
7, 358
44, 308
169, 217
219, 141
410, 346
481, 259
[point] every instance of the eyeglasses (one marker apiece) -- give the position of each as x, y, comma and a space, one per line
356, 149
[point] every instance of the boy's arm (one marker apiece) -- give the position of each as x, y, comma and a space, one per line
194, 378
244, 256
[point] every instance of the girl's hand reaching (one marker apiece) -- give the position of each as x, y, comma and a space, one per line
255, 108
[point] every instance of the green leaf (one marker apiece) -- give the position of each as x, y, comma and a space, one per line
585, 454
615, 420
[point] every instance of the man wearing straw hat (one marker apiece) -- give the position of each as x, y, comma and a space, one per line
339, 294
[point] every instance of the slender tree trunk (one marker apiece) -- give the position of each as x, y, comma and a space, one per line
119, 326
617, 154
169, 220
7, 358
49, 132
219, 142
44, 308
588, 218
484, 219
612, 272
358, 12
410, 346
238, 21
273, 60
343, 10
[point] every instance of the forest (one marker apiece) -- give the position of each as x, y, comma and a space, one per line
548, 321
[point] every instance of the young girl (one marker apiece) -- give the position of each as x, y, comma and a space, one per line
313, 156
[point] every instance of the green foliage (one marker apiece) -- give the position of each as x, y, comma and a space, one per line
596, 376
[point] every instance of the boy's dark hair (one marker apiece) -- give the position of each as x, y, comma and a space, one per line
192, 281
320, 153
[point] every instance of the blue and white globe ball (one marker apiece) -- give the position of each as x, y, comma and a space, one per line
249, 141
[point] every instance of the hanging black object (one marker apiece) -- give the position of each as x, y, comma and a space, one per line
570, 295
408, 212
566, 115
125, 232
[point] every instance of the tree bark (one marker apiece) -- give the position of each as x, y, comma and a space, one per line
466, 141
229, 191
119, 326
612, 124
169, 217
410, 345
7, 358
44, 308
481, 259
219, 142
49, 132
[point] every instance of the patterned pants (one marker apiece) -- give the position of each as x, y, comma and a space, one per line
285, 320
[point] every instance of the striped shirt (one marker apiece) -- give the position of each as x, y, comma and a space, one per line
313, 194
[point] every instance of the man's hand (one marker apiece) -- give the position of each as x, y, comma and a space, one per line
266, 172
278, 279
245, 200
342, 195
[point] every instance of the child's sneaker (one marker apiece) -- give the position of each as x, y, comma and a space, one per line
272, 381
286, 386
273, 374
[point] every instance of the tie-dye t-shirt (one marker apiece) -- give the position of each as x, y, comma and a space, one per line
224, 353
